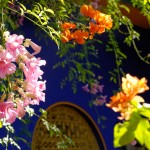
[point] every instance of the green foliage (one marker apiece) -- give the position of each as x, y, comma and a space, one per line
130, 35
1, 124
79, 61
40, 15
113, 46
141, 130
143, 6
5, 141
47, 15
137, 127
64, 141
3, 3
145, 112
124, 132
146, 1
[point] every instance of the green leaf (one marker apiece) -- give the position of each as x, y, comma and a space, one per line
145, 1
44, 113
141, 129
122, 54
147, 139
62, 1
51, 133
103, 118
122, 134
2, 87
50, 11
18, 73
44, 23
22, 11
12, 142
23, 7
34, 14
39, 6
144, 112
23, 140
125, 7
1, 124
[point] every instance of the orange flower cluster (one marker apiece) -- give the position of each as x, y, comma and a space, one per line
131, 86
78, 36
100, 22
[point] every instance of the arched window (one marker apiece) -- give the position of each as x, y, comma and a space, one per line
75, 123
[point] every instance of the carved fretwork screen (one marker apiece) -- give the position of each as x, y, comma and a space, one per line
75, 123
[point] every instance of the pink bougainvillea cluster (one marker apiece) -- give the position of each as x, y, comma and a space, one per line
20, 77
95, 89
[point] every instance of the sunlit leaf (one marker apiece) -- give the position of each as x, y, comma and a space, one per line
50, 11
62, 1
122, 135
147, 139
144, 112
125, 8
141, 129
145, 1
23, 7
1, 124
124, 132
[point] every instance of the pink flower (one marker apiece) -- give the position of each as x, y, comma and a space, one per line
6, 69
86, 88
5, 56
41, 85
100, 88
32, 75
35, 47
20, 108
35, 102
95, 88
11, 115
8, 111
26, 101
36, 90
32, 70
100, 101
13, 45
26, 91
39, 90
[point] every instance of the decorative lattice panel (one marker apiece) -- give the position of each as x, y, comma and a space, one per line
71, 121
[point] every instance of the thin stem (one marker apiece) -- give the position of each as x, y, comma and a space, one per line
118, 68
135, 47
2, 19
116, 57
36, 115
87, 59
7, 140
2, 25
29, 20
99, 117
